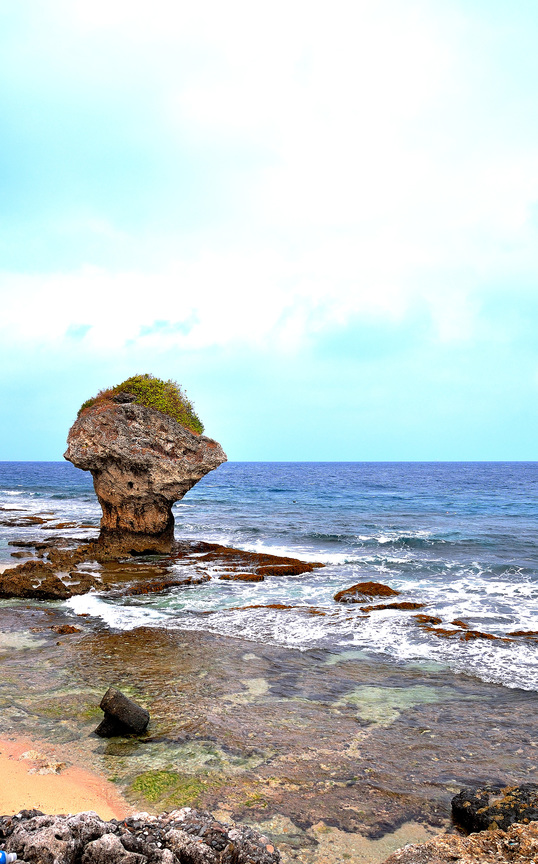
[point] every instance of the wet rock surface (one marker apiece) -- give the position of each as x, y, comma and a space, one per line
38, 580
335, 746
490, 807
515, 846
364, 591
50, 576
183, 836
141, 462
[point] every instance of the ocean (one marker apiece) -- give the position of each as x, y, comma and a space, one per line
462, 538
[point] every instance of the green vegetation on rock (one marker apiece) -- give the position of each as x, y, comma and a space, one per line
166, 788
164, 396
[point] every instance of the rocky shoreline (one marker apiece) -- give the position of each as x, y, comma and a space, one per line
60, 567
189, 836
183, 836
255, 733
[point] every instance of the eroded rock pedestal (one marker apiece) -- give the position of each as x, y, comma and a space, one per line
141, 462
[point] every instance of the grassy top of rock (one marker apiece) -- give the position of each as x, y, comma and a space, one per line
164, 396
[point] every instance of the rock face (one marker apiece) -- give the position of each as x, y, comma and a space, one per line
141, 462
181, 837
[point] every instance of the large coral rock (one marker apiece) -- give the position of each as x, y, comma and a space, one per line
181, 837
141, 462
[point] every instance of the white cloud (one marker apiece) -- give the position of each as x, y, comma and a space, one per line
373, 196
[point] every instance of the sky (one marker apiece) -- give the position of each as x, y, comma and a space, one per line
321, 219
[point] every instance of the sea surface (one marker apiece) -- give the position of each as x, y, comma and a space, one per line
460, 537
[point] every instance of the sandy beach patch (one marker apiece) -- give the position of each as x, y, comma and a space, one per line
35, 775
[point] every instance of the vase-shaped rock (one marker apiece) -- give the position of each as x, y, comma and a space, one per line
141, 461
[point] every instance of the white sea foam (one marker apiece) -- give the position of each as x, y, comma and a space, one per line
455, 564
390, 633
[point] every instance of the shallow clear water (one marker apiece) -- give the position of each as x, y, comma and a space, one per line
461, 538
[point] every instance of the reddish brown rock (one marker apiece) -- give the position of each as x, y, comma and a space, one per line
35, 580
242, 577
404, 606
263, 563
427, 619
465, 636
154, 586
290, 569
363, 591
141, 461
476, 634
64, 629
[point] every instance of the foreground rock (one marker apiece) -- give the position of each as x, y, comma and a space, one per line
181, 837
517, 845
37, 580
141, 461
491, 807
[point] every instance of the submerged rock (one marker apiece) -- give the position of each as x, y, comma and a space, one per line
405, 605
141, 461
242, 577
363, 591
491, 807
181, 837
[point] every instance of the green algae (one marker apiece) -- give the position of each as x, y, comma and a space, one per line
255, 800
383, 705
345, 656
167, 789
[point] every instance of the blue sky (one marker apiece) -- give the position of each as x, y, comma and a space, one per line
321, 219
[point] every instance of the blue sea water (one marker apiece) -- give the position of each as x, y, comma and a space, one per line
459, 537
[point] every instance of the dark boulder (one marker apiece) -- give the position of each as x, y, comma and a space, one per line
123, 716
490, 807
